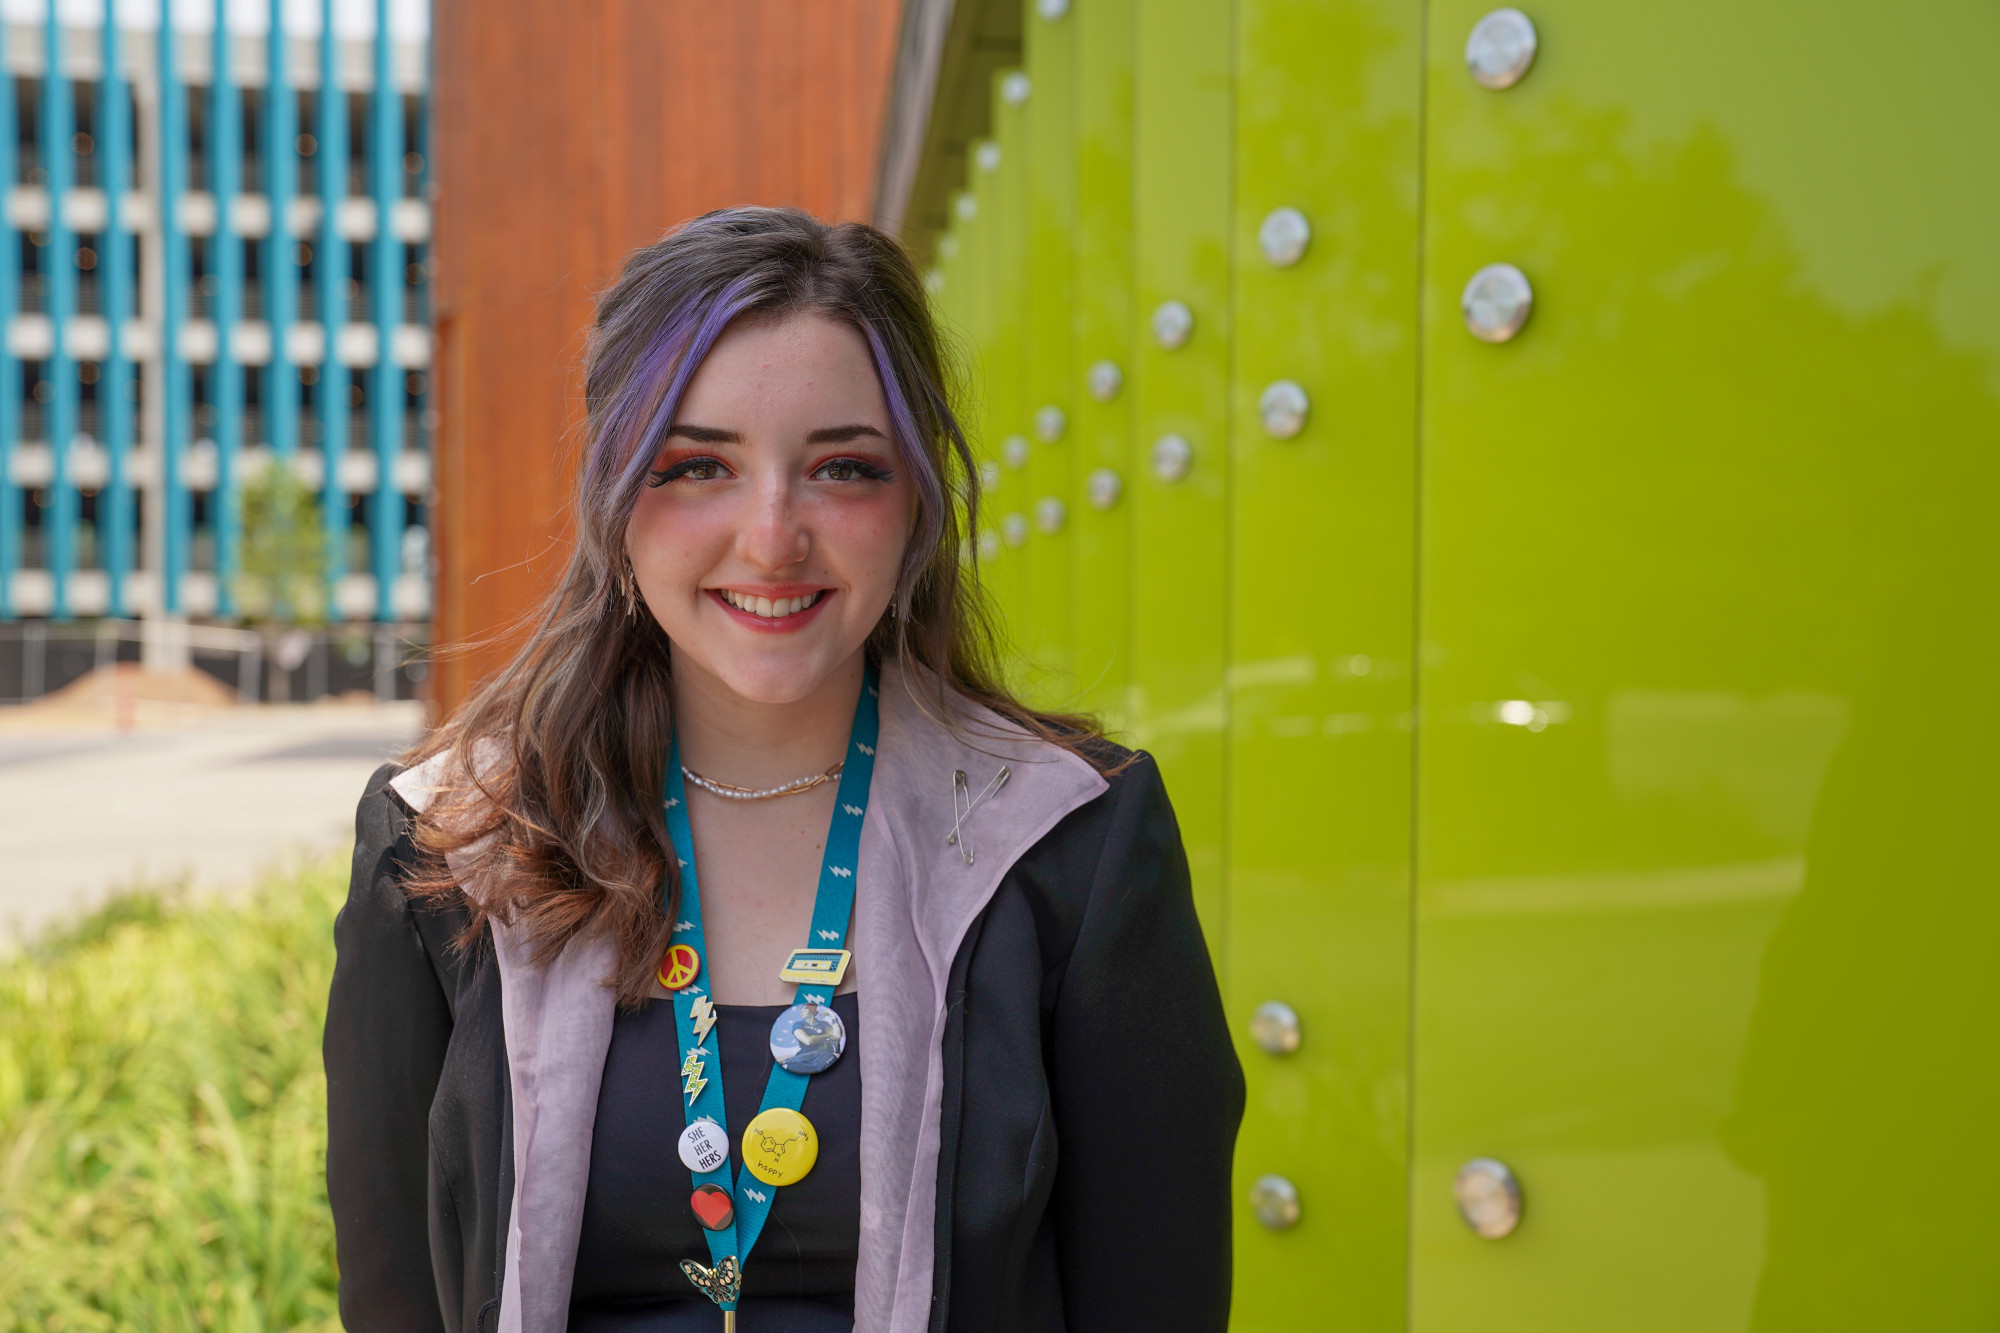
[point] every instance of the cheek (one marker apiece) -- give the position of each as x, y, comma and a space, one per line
673, 542
867, 536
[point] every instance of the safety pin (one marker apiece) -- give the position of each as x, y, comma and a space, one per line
961, 788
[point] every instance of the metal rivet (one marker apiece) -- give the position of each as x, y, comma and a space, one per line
968, 205
1014, 449
1172, 457
989, 474
1173, 323
1052, 10
1103, 486
1014, 529
1489, 1198
1496, 302
1282, 407
1104, 379
1500, 48
988, 157
989, 544
1275, 1202
1014, 89
948, 247
1049, 423
1284, 236
1275, 1028
1050, 514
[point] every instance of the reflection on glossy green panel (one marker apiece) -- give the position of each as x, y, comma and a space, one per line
1045, 380
1327, 101
1706, 897
1102, 430
1180, 530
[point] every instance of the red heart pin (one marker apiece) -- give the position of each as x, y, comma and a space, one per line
712, 1207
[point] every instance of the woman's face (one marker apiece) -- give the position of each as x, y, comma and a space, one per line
769, 536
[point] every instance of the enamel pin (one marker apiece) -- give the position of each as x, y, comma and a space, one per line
691, 1071
701, 1017
816, 967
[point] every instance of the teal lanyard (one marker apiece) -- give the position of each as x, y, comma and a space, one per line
832, 910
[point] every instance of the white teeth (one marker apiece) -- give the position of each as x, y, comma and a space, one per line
768, 608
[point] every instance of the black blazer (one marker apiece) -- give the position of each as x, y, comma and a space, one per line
1091, 1093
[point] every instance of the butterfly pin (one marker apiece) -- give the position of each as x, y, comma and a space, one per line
721, 1284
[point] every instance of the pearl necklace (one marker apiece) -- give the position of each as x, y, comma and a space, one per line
735, 793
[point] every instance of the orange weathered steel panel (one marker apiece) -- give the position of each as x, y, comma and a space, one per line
564, 137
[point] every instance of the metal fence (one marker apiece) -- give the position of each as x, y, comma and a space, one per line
155, 356
383, 661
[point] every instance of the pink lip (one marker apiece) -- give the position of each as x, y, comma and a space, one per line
790, 624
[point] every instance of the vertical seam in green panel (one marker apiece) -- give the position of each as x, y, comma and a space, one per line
1228, 304
1416, 670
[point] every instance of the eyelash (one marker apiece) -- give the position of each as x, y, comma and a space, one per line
680, 467
860, 468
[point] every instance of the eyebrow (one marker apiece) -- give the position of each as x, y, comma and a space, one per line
824, 435
843, 434
705, 434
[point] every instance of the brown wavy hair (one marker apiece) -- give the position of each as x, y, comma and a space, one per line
560, 818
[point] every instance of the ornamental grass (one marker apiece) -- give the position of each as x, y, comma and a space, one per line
163, 1114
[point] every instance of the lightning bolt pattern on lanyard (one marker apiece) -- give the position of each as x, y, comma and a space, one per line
694, 1009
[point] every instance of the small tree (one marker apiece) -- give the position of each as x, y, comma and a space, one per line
283, 579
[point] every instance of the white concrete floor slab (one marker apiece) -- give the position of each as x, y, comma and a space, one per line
212, 795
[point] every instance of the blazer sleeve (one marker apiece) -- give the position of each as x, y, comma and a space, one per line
1146, 1089
388, 1024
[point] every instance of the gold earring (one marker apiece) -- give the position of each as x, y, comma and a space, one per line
625, 586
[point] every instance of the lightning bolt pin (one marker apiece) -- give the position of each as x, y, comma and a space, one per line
703, 1013
691, 1072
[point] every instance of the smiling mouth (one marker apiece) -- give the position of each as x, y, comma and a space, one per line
770, 608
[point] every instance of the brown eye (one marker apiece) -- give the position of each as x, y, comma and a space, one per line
852, 469
692, 469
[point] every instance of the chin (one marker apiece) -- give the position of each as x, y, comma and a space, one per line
776, 682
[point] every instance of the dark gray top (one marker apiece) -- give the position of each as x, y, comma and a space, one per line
637, 1226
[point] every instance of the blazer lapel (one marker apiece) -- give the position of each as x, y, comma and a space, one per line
557, 1018
917, 898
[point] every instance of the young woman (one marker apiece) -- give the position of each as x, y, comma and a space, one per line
745, 955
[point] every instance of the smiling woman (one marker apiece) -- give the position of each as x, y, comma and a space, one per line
753, 801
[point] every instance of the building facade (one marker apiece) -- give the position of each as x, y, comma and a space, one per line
220, 244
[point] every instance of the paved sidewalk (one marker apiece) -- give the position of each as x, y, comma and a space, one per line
212, 794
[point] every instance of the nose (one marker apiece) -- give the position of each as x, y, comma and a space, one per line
773, 536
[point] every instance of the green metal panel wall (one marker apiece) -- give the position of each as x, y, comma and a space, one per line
1588, 735
1177, 704
1703, 939
1046, 400
1103, 332
1322, 580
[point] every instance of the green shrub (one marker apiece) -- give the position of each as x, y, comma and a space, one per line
163, 1115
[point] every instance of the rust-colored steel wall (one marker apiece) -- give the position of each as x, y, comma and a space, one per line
565, 137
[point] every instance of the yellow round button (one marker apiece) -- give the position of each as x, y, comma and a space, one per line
780, 1146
